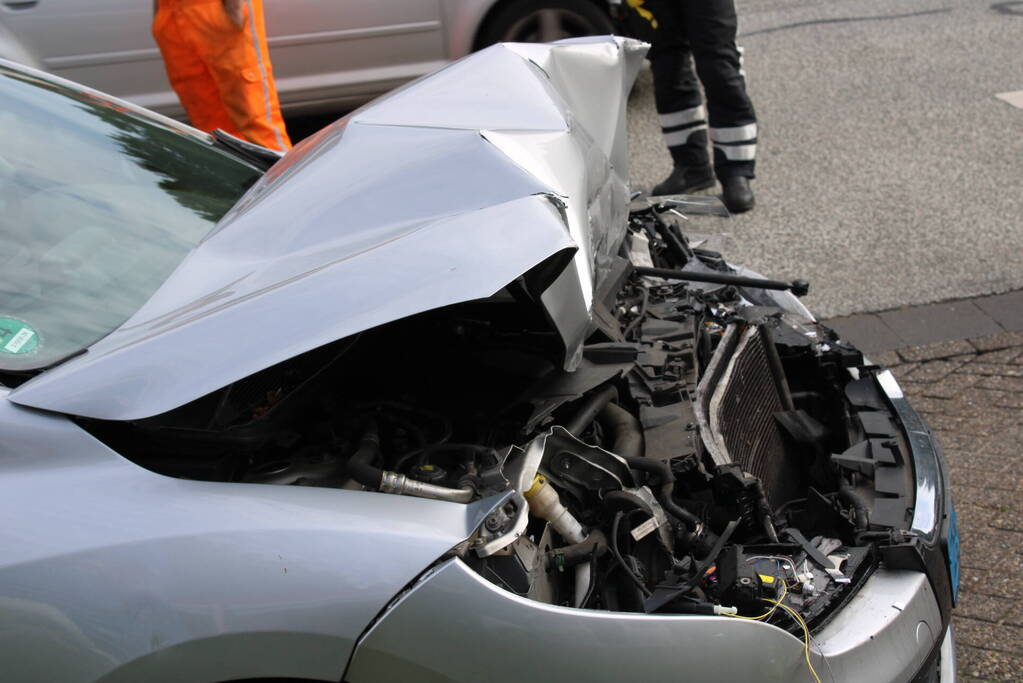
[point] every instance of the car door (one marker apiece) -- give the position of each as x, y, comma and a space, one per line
328, 52
105, 44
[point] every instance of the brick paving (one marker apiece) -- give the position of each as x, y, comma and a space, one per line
970, 390
974, 407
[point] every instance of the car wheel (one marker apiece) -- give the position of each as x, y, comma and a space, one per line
541, 21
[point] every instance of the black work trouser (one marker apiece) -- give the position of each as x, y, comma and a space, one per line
702, 31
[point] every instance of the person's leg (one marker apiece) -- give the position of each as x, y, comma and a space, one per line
711, 28
239, 62
188, 74
733, 122
680, 110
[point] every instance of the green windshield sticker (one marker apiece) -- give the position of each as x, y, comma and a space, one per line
17, 337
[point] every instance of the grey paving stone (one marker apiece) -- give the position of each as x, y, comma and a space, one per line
940, 322
951, 386
990, 636
937, 369
983, 607
1014, 384
905, 371
975, 519
998, 341
1005, 399
953, 441
867, 332
994, 581
941, 349
983, 480
992, 369
1006, 521
966, 406
1001, 355
1006, 309
889, 359
982, 664
926, 405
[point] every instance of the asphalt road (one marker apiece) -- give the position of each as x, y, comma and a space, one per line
888, 173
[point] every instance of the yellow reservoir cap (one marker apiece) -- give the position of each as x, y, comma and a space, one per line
538, 482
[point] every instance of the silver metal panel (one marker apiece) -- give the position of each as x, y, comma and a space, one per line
492, 635
111, 572
496, 636
438, 194
886, 631
948, 656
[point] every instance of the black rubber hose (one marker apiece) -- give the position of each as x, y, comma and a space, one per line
587, 413
636, 581
628, 445
360, 465
859, 505
626, 429
593, 546
764, 508
644, 301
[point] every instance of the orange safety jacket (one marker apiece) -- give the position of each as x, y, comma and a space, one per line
220, 71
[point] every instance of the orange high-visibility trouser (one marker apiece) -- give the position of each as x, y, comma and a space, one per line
221, 72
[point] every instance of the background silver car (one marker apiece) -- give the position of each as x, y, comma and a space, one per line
432, 397
327, 54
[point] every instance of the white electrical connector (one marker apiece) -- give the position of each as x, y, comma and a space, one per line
721, 609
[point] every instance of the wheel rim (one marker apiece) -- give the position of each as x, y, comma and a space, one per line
545, 25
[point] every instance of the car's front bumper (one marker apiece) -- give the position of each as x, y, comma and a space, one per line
453, 625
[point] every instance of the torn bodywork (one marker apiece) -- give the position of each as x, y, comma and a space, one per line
716, 450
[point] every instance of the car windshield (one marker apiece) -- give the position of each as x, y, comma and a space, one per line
98, 204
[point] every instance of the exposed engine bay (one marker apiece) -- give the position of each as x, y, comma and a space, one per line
715, 452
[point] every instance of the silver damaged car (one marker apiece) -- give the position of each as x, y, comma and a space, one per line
432, 397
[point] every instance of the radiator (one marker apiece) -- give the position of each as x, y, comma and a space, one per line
737, 399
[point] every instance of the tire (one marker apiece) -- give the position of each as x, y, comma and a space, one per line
541, 21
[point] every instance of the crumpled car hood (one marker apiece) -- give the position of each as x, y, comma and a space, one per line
442, 192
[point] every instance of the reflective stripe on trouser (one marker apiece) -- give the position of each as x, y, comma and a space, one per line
678, 126
220, 71
735, 143
685, 135
702, 35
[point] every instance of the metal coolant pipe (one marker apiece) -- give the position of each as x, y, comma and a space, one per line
392, 482
361, 469
545, 503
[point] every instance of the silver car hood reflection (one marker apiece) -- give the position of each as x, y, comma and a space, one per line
442, 192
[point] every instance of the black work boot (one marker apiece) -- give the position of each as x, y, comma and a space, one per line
737, 194
685, 179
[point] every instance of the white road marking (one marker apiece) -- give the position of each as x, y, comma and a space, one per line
1013, 98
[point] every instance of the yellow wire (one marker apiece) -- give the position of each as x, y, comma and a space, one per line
806, 637
806, 631
784, 592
